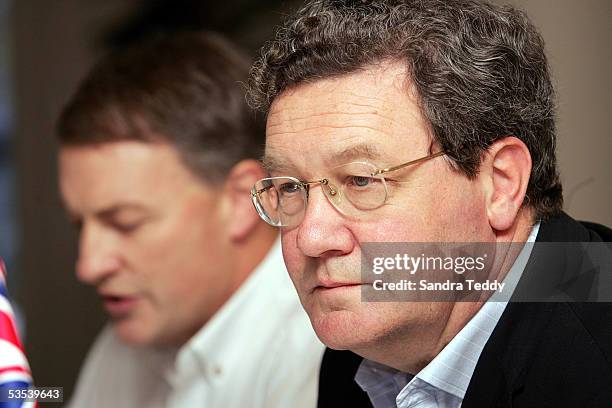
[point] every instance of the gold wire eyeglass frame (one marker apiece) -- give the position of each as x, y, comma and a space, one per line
325, 182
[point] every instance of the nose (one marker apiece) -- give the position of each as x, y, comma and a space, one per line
323, 231
98, 257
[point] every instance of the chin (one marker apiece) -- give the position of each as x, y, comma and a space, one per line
343, 330
134, 334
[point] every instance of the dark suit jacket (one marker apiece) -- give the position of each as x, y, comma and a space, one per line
539, 354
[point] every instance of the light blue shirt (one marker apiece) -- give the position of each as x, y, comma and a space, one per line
444, 381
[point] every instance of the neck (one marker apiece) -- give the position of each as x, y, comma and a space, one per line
249, 252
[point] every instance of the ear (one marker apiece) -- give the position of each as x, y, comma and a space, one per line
505, 169
242, 218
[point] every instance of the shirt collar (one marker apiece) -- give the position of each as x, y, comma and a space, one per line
212, 352
452, 369
380, 382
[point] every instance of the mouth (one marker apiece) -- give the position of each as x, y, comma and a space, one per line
327, 286
119, 306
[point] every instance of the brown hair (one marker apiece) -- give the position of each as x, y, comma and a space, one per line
184, 89
479, 69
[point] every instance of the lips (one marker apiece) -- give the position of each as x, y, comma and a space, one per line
119, 306
327, 285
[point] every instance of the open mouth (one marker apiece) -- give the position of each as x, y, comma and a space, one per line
118, 306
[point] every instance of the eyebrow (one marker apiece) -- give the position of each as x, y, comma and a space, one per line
107, 213
117, 208
352, 153
362, 151
272, 163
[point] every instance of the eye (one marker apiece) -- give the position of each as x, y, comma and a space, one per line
360, 181
126, 228
288, 188
126, 225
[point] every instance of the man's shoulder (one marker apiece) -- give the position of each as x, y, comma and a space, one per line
114, 373
337, 386
546, 354
110, 357
596, 320
570, 261
556, 353
563, 228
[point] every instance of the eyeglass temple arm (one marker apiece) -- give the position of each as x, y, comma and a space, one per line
410, 163
255, 193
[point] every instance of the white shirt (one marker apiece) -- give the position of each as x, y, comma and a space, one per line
444, 381
259, 350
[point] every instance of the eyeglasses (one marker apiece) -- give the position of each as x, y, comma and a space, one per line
352, 189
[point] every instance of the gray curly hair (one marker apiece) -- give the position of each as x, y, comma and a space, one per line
479, 69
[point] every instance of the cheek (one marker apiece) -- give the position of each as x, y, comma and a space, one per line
387, 229
461, 216
440, 212
194, 228
175, 253
293, 257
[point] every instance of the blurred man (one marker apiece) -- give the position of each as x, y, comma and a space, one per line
156, 159
428, 121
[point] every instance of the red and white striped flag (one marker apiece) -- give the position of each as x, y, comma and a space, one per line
14, 368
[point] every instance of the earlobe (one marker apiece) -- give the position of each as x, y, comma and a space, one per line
507, 165
242, 218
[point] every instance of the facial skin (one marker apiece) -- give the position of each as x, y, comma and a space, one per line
158, 243
308, 129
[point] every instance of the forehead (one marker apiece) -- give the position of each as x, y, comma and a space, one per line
375, 111
101, 175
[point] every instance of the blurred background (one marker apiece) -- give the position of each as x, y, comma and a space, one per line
46, 47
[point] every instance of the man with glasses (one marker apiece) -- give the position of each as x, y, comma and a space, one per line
429, 122
157, 157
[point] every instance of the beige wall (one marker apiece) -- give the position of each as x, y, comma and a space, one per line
578, 37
